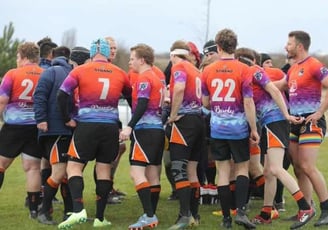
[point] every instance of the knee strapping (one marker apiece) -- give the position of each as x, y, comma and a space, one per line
179, 170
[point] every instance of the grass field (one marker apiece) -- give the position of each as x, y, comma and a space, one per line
14, 215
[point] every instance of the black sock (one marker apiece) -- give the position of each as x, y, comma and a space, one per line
144, 194
155, 191
49, 192
184, 199
76, 187
279, 192
67, 197
225, 199
2, 176
33, 200
242, 184
103, 188
232, 187
210, 175
45, 174
324, 205
194, 198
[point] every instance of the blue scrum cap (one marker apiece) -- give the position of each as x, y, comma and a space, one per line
100, 46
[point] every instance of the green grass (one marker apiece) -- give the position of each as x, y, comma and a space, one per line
14, 215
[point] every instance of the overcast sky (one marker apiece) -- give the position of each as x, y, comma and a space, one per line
261, 25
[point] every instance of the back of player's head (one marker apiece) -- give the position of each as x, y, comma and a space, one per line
46, 46
80, 55
61, 51
210, 46
245, 55
100, 46
226, 39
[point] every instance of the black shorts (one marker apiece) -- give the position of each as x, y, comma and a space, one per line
223, 150
91, 141
186, 137
55, 148
16, 139
275, 135
147, 146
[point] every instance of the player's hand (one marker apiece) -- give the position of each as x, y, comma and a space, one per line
125, 133
43, 126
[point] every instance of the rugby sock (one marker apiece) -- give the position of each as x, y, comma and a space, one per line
103, 188
76, 186
266, 212
260, 181
242, 184
33, 200
194, 198
183, 192
144, 194
279, 192
155, 191
2, 176
50, 190
66, 195
301, 202
210, 173
232, 187
225, 199
324, 205
45, 174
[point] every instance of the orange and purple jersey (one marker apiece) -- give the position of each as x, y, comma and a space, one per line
267, 111
100, 85
227, 82
133, 76
148, 85
19, 85
185, 72
304, 82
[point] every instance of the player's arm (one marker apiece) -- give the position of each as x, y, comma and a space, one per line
177, 98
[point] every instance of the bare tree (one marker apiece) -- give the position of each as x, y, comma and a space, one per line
69, 38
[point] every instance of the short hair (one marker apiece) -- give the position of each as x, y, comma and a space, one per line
61, 51
46, 49
180, 44
29, 50
245, 55
226, 39
144, 51
301, 37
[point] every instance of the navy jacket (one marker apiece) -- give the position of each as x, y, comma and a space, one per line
45, 98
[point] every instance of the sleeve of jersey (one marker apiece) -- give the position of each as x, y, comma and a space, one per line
41, 95
6, 84
322, 72
247, 83
179, 75
69, 84
205, 91
261, 78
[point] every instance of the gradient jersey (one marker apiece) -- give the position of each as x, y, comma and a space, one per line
185, 72
100, 85
148, 85
267, 111
304, 82
133, 76
227, 82
18, 85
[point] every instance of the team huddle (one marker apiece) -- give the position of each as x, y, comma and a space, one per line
229, 106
